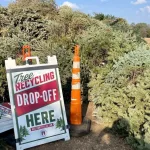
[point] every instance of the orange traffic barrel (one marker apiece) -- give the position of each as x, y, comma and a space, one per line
75, 108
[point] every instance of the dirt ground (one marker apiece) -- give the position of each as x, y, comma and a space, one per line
147, 40
97, 139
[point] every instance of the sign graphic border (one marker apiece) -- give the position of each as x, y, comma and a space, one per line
16, 118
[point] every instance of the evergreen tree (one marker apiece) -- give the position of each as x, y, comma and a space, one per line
124, 93
60, 124
23, 132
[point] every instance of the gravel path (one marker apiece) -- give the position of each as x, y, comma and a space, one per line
98, 139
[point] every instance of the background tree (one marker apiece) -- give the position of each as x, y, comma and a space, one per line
114, 22
141, 29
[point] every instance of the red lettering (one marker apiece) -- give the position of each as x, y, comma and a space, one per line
32, 81
22, 85
47, 77
18, 87
36, 80
52, 75
40, 79
27, 84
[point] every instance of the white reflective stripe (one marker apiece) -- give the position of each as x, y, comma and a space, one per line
76, 64
76, 76
73, 99
76, 86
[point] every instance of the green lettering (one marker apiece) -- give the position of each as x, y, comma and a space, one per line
51, 115
44, 117
17, 76
26, 77
37, 118
31, 75
22, 78
29, 120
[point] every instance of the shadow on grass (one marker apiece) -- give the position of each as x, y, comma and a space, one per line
121, 128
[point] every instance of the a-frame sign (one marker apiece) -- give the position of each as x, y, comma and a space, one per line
37, 103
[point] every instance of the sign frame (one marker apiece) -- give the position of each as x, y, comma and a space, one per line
11, 68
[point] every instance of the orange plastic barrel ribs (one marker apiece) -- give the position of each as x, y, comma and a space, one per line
26, 52
75, 108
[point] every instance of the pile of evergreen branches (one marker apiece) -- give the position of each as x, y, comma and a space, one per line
124, 94
118, 73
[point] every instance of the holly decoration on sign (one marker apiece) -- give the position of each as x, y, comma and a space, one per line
60, 124
23, 132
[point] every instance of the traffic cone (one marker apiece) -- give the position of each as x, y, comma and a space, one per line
26, 52
75, 108
78, 127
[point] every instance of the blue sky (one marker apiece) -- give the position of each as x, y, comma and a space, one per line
132, 10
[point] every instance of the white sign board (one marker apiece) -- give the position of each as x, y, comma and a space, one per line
37, 103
